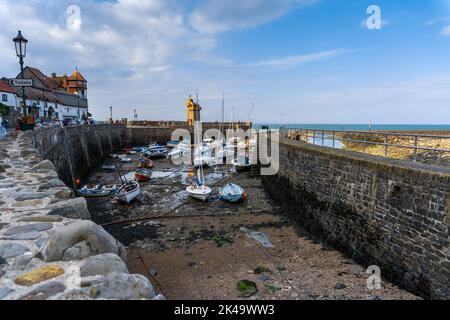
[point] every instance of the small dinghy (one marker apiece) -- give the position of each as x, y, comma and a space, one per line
128, 192
131, 152
242, 164
172, 144
121, 156
92, 191
114, 156
145, 163
138, 149
125, 159
232, 193
143, 175
155, 151
198, 190
109, 167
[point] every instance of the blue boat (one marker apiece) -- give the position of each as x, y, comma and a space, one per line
232, 193
172, 144
155, 151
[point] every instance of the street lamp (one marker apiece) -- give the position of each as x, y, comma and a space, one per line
21, 51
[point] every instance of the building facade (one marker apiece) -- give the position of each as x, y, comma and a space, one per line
54, 97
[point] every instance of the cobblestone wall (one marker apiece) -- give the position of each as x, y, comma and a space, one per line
49, 249
86, 146
383, 212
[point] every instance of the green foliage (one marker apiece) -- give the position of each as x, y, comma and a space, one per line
4, 110
247, 288
221, 240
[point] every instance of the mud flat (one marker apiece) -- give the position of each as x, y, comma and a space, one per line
194, 250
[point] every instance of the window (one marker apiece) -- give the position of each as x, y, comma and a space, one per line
4, 97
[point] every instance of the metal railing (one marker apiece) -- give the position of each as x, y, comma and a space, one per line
338, 139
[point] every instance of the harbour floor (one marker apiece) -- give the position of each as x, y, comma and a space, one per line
194, 250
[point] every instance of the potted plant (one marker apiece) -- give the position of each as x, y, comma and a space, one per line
27, 123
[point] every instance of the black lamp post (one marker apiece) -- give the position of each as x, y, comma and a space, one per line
21, 51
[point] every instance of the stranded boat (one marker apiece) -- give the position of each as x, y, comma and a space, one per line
155, 151
91, 191
109, 167
143, 175
242, 164
145, 163
198, 190
172, 144
232, 193
128, 192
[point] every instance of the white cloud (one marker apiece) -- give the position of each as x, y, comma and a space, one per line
222, 15
292, 61
446, 31
437, 20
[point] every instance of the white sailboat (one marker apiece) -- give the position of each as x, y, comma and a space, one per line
197, 189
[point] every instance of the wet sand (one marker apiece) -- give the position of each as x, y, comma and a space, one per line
195, 250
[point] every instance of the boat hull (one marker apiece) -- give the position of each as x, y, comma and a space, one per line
232, 193
142, 175
128, 197
201, 194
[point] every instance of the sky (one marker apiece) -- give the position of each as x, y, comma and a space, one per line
297, 61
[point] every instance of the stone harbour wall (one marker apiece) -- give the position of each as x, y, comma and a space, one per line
136, 135
85, 146
390, 213
49, 249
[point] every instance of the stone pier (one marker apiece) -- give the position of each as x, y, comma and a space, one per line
49, 249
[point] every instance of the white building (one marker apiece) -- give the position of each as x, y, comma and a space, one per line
55, 97
8, 96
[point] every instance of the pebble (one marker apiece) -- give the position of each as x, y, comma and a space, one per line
153, 272
11, 249
45, 291
38, 275
53, 183
42, 218
4, 292
103, 264
340, 286
37, 227
263, 277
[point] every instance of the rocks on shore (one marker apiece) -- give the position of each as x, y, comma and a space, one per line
48, 247
79, 240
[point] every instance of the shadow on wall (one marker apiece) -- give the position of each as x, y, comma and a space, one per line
76, 150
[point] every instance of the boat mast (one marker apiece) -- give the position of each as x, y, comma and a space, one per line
223, 114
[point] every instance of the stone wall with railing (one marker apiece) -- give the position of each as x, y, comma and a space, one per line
385, 212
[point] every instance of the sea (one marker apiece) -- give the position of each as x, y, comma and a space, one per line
361, 127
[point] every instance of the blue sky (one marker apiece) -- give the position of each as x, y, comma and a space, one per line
299, 61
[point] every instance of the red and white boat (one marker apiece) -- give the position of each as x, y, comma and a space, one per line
143, 175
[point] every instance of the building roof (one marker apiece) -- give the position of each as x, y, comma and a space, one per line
38, 94
76, 75
5, 87
42, 77
70, 99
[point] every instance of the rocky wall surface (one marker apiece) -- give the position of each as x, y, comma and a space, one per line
390, 213
76, 150
49, 249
